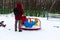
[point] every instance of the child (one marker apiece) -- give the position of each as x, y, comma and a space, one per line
18, 12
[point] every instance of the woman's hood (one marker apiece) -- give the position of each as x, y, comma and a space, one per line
19, 5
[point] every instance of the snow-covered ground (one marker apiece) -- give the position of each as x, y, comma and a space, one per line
50, 30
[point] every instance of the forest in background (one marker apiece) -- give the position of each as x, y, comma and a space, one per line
37, 7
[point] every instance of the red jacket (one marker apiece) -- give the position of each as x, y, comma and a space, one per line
20, 8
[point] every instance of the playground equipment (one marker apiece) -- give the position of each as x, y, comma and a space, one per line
32, 24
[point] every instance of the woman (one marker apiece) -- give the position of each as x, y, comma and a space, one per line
18, 11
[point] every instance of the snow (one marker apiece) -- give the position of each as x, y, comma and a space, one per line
50, 30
